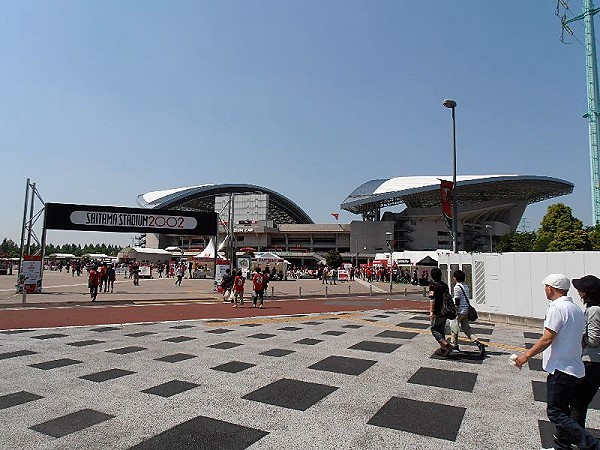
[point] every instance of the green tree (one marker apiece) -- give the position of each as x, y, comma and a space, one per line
9, 248
559, 225
517, 241
565, 241
334, 259
594, 234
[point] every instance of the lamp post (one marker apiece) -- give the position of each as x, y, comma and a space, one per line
489, 227
452, 105
356, 240
389, 234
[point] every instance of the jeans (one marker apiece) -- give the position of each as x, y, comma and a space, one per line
258, 295
560, 393
438, 327
585, 391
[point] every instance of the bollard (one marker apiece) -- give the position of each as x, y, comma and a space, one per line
299, 291
370, 290
325, 291
272, 292
348, 290
424, 292
405, 291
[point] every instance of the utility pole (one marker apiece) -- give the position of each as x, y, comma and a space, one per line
593, 112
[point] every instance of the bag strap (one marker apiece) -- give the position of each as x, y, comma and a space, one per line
465, 294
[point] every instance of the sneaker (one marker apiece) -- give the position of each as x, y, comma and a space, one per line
235, 306
481, 347
260, 306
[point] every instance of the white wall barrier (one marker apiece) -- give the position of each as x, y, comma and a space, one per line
511, 283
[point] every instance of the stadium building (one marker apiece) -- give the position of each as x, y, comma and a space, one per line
263, 220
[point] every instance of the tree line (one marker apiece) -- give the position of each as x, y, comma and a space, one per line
8, 248
559, 231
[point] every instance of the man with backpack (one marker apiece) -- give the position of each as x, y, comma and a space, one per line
438, 294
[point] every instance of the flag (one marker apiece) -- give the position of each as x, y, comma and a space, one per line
336, 215
446, 192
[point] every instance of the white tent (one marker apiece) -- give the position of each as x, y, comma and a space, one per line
268, 258
208, 252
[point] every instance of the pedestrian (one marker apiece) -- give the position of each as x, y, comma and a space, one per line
111, 276
93, 283
238, 289
161, 268
102, 277
135, 272
461, 298
179, 272
190, 267
437, 290
564, 327
258, 288
226, 285
588, 288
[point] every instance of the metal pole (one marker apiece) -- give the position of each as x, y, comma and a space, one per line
31, 206
23, 230
454, 197
491, 245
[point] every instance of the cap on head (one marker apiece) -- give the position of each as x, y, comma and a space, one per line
557, 281
587, 284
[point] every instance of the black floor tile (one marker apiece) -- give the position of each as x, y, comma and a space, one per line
291, 394
529, 344
530, 335
16, 331
535, 364
262, 336
233, 367
17, 398
250, 325
461, 357
171, 388
49, 336
141, 334
105, 329
342, 364
179, 339
308, 341
219, 331
312, 323
374, 346
175, 358
416, 417
215, 321
447, 379
418, 325
56, 364
333, 333
352, 325
126, 350
16, 354
224, 345
181, 327
539, 394
203, 433
79, 420
397, 334
421, 317
277, 352
381, 316
290, 329
371, 320
106, 375
85, 343
480, 330
392, 312
547, 431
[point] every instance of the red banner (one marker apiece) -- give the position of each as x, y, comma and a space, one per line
446, 191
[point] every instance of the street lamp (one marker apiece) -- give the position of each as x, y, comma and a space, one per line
389, 234
356, 239
452, 105
489, 227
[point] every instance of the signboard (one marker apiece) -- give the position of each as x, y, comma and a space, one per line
402, 261
32, 270
64, 216
145, 272
343, 275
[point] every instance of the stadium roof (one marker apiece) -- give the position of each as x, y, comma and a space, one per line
424, 191
202, 198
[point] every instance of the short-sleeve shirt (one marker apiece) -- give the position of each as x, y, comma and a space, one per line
257, 282
462, 296
436, 293
238, 284
568, 322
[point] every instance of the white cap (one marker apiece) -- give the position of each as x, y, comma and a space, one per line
558, 281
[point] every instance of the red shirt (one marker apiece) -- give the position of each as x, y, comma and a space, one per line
257, 282
238, 284
93, 278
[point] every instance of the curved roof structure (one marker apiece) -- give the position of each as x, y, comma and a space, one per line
202, 198
424, 191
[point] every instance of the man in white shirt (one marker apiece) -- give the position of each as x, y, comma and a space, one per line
561, 344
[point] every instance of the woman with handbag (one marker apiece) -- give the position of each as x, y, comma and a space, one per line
588, 288
461, 298
437, 290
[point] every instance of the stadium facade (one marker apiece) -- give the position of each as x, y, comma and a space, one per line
259, 218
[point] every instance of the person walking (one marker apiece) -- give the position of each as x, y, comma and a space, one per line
461, 298
111, 276
437, 290
564, 327
180, 272
588, 288
238, 289
93, 279
258, 287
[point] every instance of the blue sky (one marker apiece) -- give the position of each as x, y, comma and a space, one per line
102, 101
